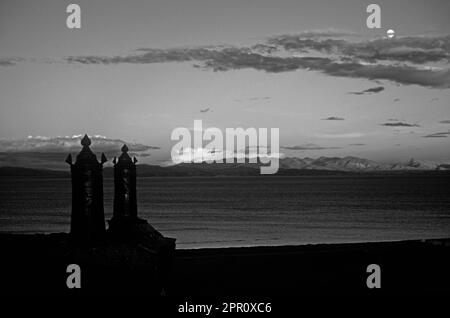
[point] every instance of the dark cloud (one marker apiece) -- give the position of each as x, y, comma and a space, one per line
252, 99
10, 61
372, 90
357, 145
399, 124
217, 59
399, 73
370, 59
225, 59
308, 147
205, 110
434, 99
6, 63
447, 121
297, 43
396, 100
333, 118
416, 50
438, 135
320, 33
259, 98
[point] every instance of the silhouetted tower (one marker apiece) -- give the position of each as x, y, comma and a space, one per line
88, 219
125, 203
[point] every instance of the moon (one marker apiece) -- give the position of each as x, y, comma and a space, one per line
390, 33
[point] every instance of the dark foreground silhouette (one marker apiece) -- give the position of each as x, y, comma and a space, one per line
39, 262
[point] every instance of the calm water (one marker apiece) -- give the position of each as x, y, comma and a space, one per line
242, 211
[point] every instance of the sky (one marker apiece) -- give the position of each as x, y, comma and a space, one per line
136, 70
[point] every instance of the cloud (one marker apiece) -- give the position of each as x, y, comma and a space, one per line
399, 124
344, 135
417, 50
401, 74
412, 54
438, 135
369, 91
231, 58
205, 110
50, 152
6, 63
401, 60
359, 145
309, 146
447, 121
396, 100
263, 98
189, 155
68, 144
333, 118
215, 58
316, 33
10, 61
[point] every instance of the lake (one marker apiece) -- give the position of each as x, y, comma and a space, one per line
248, 211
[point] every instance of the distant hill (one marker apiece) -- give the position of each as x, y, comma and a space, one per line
27, 172
288, 167
333, 163
355, 164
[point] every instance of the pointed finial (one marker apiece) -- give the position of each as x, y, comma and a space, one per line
103, 159
85, 142
114, 160
124, 148
69, 159
134, 160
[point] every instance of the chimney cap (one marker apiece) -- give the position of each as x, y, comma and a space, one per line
86, 141
86, 156
124, 158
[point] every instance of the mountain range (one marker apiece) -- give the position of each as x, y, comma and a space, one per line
288, 166
350, 163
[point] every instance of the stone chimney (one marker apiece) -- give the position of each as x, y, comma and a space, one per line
125, 203
125, 224
88, 219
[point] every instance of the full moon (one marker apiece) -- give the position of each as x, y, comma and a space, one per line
390, 33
